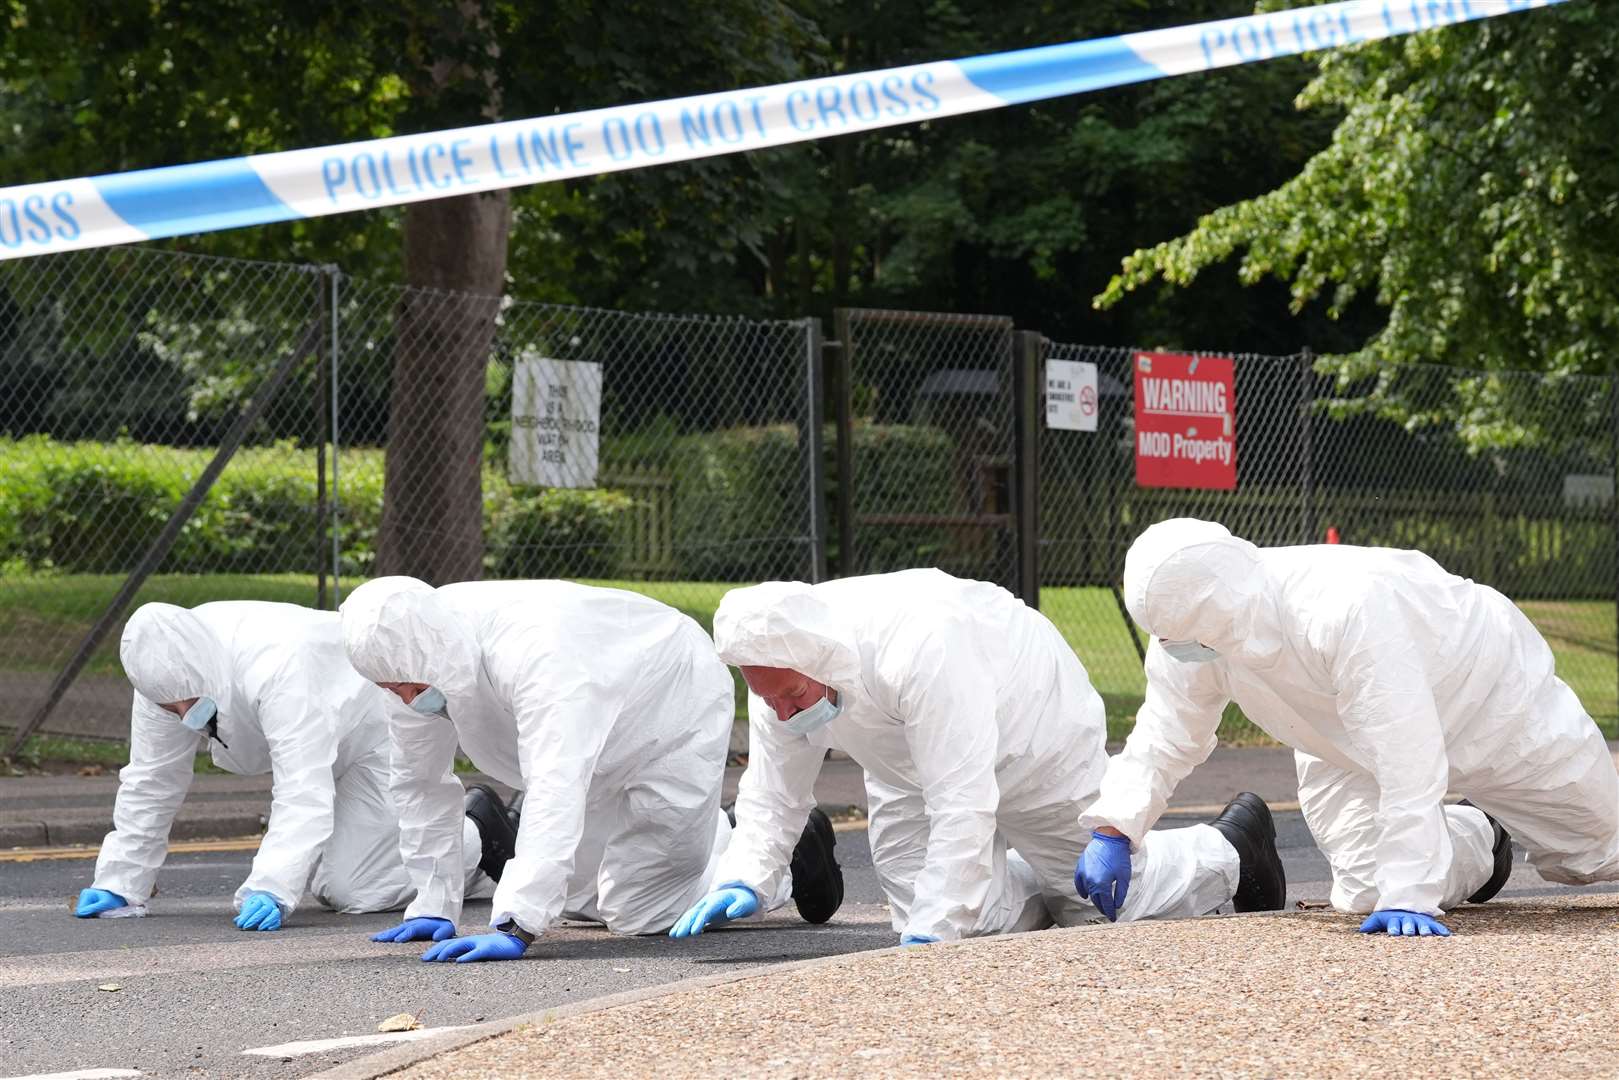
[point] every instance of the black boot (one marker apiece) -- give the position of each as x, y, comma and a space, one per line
1247, 826
1503, 858
514, 810
817, 878
499, 834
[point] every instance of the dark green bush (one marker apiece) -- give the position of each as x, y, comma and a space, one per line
739, 499
90, 507
554, 532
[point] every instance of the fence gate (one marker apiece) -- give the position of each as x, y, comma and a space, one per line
928, 444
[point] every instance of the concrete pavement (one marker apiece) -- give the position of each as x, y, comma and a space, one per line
1525, 988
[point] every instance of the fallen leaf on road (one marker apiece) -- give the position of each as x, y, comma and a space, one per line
400, 1022
111, 988
92, 770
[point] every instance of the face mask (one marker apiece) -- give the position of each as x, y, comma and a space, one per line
201, 712
429, 701
1189, 652
815, 717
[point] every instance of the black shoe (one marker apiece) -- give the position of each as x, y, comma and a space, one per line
514, 810
499, 836
817, 878
1503, 858
1247, 825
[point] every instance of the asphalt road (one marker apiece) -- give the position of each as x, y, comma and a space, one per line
196, 995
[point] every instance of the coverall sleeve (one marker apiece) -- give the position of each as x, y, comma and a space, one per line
431, 805
773, 801
947, 704
1174, 733
562, 725
162, 753
1387, 709
302, 738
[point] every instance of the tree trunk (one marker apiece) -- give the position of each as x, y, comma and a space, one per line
432, 502
455, 265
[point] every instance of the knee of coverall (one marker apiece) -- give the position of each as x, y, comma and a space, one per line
655, 863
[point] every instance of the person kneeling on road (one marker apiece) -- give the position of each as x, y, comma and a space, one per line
609, 711
981, 738
1394, 682
267, 689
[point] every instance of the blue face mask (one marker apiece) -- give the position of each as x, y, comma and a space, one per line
201, 712
1189, 652
429, 701
816, 717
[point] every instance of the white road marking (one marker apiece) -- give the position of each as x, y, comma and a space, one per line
316, 1046
80, 1074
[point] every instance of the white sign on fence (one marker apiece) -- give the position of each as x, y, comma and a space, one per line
1071, 402
556, 422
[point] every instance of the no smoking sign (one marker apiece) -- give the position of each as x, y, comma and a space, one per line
1071, 400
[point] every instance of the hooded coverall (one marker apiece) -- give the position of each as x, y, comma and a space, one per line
1394, 682
608, 709
981, 738
289, 705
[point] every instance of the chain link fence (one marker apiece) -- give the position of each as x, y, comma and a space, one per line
122, 373
189, 429
395, 430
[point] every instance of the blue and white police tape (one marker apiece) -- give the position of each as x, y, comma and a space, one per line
97, 211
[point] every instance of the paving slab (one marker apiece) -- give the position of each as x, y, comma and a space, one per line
1525, 987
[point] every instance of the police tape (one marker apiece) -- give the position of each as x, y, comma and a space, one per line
97, 211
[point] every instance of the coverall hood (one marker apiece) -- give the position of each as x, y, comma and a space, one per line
783, 624
398, 629
1191, 580
169, 656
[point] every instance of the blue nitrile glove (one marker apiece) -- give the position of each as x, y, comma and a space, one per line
466, 950
718, 907
93, 902
1103, 873
1404, 924
916, 939
260, 911
421, 928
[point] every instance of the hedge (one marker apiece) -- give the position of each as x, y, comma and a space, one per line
739, 498
738, 509
95, 507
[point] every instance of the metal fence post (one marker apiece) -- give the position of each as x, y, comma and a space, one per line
322, 435
844, 380
1613, 504
1309, 533
154, 555
810, 447
1028, 385
333, 275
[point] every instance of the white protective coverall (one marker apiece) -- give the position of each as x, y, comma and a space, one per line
609, 709
1393, 681
289, 705
978, 730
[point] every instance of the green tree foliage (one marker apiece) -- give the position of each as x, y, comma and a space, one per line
1470, 188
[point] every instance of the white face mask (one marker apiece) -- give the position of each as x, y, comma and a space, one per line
202, 710
429, 701
816, 717
1189, 652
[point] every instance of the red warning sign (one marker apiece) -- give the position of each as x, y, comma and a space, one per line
1186, 421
